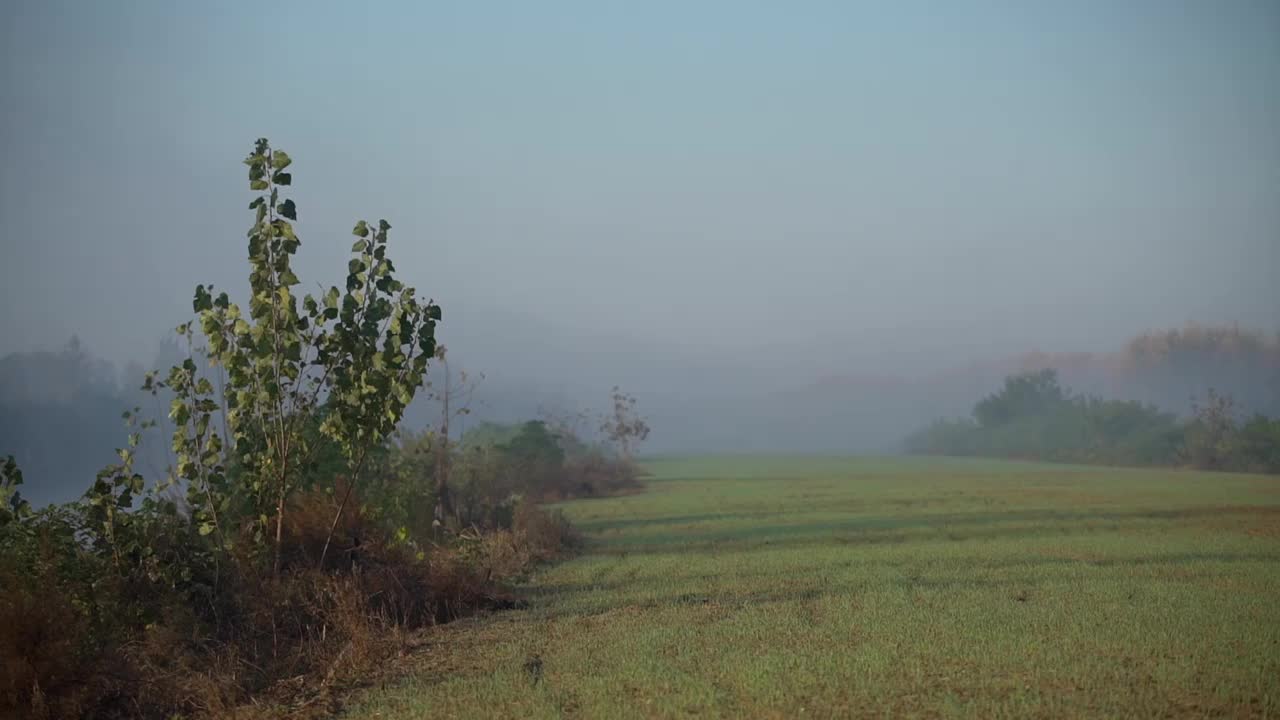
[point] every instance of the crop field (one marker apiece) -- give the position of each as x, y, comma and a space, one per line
856, 587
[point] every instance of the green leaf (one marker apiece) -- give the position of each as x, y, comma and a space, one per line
280, 160
282, 178
203, 300
433, 312
257, 202
206, 528
258, 185
383, 225
178, 412
361, 229
359, 245
285, 230
288, 278
288, 209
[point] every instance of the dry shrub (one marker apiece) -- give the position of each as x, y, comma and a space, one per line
77, 641
46, 669
307, 528
545, 534
596, 475
504, 556
461, 584
294, 639
176, 672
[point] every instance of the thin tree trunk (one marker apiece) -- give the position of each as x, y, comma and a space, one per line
333, 526
444, 504
279, 530
351, 483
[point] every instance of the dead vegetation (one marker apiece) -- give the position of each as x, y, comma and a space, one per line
259, 646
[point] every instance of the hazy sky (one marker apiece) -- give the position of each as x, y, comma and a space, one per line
713, 175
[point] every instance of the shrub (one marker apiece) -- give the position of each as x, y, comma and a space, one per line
1032, 418
139, 602
546, 534
1257, 445
77, 639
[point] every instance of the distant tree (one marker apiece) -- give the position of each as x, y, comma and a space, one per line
1209, 436
1033, 418
1167, 366
568, 427
1258, 444
533, 444
455, 395
533, 457
1026, 394
488, 434
624, 427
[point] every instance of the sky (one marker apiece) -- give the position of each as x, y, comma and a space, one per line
738, 181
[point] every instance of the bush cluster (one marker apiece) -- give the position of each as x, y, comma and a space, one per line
1034, 418
294, 540
174, 627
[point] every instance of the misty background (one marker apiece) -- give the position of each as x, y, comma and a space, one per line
807, 229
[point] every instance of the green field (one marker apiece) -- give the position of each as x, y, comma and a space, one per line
832, 587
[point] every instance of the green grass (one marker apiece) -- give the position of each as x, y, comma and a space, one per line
837, 587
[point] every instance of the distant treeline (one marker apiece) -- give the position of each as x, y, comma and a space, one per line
60, 416
60, 411
1034, 418
1168, 368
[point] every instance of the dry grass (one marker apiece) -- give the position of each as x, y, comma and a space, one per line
42, 664
259, 645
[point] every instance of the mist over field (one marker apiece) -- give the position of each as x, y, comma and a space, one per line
801, 231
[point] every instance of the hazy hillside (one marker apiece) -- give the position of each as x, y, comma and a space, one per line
61, 410
752, 404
